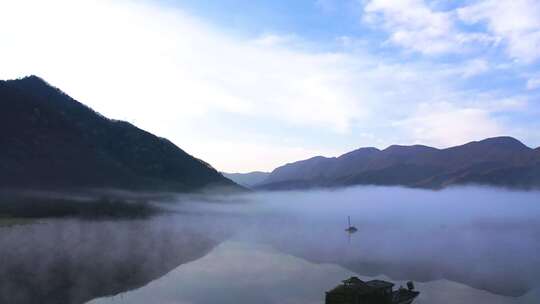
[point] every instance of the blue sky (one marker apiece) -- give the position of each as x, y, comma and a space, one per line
251, 85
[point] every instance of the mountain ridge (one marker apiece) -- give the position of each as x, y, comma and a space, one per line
499, 161
53, 141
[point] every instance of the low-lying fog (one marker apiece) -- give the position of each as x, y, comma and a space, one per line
462, 245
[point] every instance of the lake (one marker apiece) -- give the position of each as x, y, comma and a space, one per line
459, 245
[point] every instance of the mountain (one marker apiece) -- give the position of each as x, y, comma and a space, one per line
247, 179
499, 161
50, 140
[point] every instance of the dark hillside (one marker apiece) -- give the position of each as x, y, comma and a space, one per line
50, 140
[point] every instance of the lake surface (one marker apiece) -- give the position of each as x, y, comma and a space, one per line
460, 245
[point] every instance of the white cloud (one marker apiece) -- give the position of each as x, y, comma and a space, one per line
533, 83
443, 125
516, 23
138, 54
414, 25
270, 40
474, 67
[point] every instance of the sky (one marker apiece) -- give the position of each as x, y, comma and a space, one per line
253, 84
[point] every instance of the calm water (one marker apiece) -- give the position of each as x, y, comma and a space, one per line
463, 245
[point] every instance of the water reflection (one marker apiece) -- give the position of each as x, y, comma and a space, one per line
468, 245
72, 261
484, 238
239, 273
249, 273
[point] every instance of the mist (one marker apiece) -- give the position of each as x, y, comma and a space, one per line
459, 244
484, 237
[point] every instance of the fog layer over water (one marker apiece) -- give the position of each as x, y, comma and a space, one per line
463, 245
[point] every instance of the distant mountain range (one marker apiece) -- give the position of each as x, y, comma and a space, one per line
49, 140
248, 179
500, 161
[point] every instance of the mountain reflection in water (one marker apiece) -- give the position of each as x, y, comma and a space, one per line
72, 261
249, 273
463, 245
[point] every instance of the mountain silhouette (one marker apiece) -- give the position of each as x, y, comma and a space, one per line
50, 140
499, 161
249, 180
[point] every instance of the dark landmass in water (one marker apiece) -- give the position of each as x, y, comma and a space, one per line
42, 205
